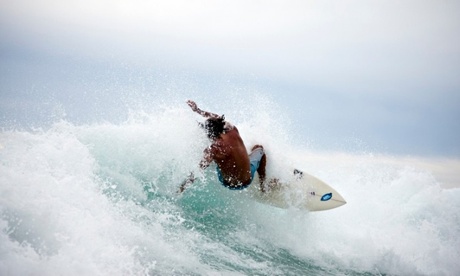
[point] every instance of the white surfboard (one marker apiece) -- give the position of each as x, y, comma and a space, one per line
303, 191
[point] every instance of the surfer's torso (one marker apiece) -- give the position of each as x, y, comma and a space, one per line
229, 153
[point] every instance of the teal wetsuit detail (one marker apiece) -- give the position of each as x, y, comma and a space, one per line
254, 159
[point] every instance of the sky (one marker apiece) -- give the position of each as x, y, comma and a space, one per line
353, 75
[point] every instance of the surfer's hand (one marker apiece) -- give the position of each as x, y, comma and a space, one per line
205, 114
192, 105
187, 182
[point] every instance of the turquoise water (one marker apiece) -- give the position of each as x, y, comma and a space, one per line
100, 199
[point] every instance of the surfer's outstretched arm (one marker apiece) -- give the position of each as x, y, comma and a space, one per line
205, 114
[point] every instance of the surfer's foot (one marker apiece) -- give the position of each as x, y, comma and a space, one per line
273, 184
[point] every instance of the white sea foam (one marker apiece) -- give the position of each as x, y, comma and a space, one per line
101, 199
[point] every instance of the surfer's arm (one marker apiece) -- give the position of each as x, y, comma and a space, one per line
204, 163
203, 113
190, 179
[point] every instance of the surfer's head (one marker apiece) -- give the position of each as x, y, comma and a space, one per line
214, 126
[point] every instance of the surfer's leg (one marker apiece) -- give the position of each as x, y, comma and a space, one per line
258, 159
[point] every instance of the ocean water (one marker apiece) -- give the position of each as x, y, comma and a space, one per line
101, 199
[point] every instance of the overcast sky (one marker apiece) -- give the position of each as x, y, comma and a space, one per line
382, 74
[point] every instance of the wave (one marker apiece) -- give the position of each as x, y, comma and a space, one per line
101, 199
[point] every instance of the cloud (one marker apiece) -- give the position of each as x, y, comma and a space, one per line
316, 40
360, 47
390, 66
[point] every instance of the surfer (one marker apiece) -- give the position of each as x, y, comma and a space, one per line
235, 168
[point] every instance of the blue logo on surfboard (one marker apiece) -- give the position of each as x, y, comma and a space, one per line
326, 197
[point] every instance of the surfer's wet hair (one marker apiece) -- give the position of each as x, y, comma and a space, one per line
214, 127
